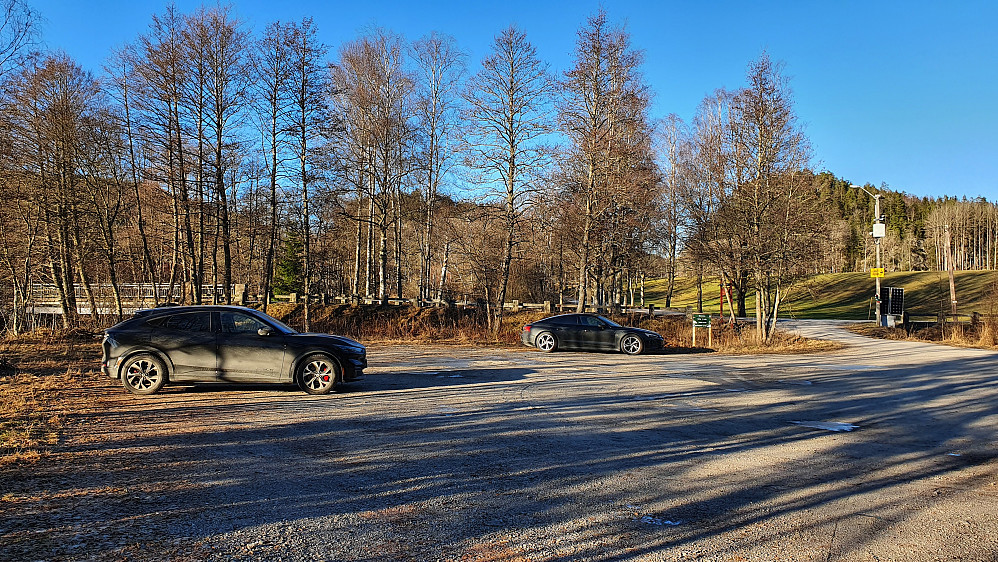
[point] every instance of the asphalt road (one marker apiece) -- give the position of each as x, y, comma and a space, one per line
883, 450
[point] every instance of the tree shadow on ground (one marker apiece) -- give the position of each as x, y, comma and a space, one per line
594, 474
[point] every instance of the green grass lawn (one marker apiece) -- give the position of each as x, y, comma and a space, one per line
849, 295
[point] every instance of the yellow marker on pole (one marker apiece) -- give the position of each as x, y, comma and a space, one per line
876, 272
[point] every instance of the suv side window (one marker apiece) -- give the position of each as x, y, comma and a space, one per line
187, 322
238, 323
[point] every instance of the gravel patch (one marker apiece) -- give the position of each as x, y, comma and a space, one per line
457, 453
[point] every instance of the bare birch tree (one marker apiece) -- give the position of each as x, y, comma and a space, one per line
121, 71
752, 195
603, 113
351, 149
50, 101
307, 114
272, 102
712, 238
18, 31
161, 73
507, 116
673, 138
440, 66
103, 170
376, 102
776, 195
224, 45
20, 232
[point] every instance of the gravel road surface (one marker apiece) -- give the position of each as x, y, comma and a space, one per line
883, 450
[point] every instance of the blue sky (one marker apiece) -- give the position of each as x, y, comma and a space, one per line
902, 93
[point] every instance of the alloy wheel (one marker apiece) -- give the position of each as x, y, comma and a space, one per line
546, 342
318, 375
631, 345
143, 375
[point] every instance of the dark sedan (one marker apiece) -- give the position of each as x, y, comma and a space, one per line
590, 332
217, 344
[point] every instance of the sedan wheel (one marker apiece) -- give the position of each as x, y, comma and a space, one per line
631, 345
143, 374
546, 342
317, 375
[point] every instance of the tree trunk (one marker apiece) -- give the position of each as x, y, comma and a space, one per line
507, 259
443, 272
358, 238
397, 225
584, 250
383, 262
147, 260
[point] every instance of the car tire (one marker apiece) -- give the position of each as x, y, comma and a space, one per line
143, 374
632, 344
546, 342
318, 374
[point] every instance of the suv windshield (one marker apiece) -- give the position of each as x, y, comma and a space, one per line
281, 325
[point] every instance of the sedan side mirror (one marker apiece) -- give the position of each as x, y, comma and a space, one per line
264, 331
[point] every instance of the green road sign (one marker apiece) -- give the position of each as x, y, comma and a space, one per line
701, 320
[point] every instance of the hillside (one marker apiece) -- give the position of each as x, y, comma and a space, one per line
848, 295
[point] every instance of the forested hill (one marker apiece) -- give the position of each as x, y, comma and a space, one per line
849, 296
916, 230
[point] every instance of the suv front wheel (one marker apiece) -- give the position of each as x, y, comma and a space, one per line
318, 374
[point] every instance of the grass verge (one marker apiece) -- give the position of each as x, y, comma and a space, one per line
980, 335
37, 371
848, 295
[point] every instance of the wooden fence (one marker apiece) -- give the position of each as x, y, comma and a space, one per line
134, 296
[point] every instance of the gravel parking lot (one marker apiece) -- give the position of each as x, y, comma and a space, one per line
457, 453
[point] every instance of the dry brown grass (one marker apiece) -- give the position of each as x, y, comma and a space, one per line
981, 335
401, 323
739, 338
36, 371
25, 429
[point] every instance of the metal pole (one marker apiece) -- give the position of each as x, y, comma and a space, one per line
721, 292
876, 220
952, 283
876, 240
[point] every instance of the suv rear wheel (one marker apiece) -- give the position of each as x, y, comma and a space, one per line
143, 374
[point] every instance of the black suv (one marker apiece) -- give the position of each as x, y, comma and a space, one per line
217, 344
